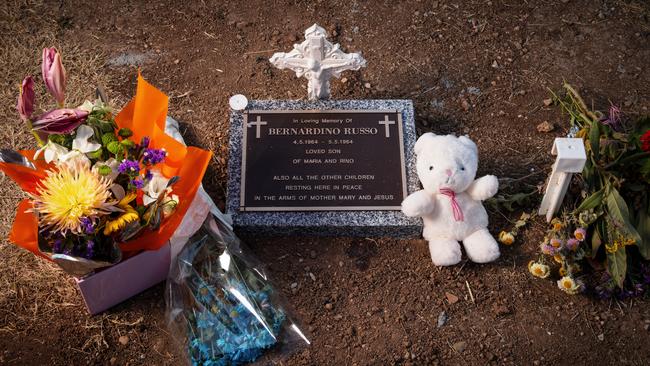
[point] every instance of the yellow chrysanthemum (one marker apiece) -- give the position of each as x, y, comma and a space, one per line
568, 285
67, 195
538, 269
129, 215
506, 238
558, 258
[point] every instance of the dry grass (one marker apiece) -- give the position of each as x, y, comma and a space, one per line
30, 287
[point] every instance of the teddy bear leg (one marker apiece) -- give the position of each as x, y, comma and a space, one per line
445, 252
481, 247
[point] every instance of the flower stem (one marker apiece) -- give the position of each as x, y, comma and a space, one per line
36, 136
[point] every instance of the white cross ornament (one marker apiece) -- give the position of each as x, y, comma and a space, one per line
257, 124
571, 158
317, 59
387, 124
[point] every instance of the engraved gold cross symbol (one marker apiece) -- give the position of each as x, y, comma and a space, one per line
387, 124
257, 125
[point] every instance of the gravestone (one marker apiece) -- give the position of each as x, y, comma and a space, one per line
321, 167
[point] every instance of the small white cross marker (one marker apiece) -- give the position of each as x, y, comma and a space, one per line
571, 158
387, 124
257, 125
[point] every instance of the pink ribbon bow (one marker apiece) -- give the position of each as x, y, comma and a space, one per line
458, 212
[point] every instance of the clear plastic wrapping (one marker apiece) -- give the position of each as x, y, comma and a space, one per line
221, 305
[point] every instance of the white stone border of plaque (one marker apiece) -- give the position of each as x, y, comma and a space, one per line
352, 223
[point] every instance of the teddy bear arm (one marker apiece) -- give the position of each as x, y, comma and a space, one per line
417, 204
483, 188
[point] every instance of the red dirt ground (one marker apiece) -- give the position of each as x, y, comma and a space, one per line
477, 68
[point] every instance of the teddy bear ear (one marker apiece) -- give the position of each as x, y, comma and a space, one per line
423, 141
469, 143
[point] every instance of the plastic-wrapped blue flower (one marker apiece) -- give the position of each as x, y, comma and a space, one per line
230, 312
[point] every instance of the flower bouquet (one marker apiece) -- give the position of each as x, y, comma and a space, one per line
102, 186
221, 305
605, 231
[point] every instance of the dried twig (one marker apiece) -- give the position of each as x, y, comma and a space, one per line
471, 296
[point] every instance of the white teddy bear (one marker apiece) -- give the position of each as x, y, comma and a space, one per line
450, 203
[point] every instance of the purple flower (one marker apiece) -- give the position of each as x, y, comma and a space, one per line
54, 74
148, 175
572, 244
26, 99
60, 121
129, 167
144, 142
153, 156
87, 225
138, 183
56, 248
89, 249
614, 120
580, 234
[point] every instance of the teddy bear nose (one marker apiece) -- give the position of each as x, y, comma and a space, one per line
448, 172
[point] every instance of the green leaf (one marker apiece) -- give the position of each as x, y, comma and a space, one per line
105, 170
128, 144
594, 139
643, 227
96, 154
617, 265
115, 148
617, 209
592, 201
108, 137
620, 136
125, 132
645, 170
596, 240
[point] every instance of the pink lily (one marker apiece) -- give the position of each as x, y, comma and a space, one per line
26, 98
60, 121
54, 74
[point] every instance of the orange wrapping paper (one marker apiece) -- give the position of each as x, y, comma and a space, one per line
145, 115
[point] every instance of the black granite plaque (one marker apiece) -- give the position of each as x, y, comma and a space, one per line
297, 160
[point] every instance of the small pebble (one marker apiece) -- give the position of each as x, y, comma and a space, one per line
442, 319
123, 340
460, 346
545, 127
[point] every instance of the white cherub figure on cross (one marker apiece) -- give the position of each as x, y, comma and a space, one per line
318, 60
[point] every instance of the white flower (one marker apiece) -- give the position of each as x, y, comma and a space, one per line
56, 153
51, 152
87, 106
111, 163
169, 204
81, 142
569, 285
154, 188
73, 157
539, 269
